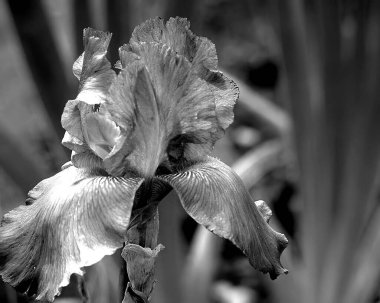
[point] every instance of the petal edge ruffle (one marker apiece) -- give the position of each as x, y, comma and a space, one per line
214, 196
72, 220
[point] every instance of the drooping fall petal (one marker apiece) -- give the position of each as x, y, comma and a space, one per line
214, 196
71, 220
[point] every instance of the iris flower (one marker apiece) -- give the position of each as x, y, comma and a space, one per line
140, 131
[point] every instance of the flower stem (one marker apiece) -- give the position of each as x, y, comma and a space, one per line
139, 253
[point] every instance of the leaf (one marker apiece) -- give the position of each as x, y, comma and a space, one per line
214, 196
71, 220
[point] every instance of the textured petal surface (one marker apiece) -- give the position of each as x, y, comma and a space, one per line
177, 35
200, 52
144, 139
81, 155
168, 90
95, 75
185, 102
157, 97
72, 220
73, 143
215, 197
182, 67
101, 133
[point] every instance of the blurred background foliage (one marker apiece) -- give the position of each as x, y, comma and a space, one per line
306, 139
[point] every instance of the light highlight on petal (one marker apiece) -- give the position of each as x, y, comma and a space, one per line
96, 75
72, 220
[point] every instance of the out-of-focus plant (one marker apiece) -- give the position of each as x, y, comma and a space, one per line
331, 56
135, 134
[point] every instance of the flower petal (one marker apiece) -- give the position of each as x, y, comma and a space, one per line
72, 220
215, 197
148, 137
73, 143
71, 120
157, 98
205, 98
186, 102
95, 77
101, 133
225, 92
177, 35
81, 155
122, 105
96, 74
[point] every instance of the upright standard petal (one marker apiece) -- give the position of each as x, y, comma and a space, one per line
71, 220
215, 94
213, 194
186, 102
200, 52
95, 76
177, 35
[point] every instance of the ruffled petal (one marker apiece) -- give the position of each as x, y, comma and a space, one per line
186, 102
81, 155
148, 137
91, 130
96, 74
122, 105
201, 98
155, 98
72, 220
177, 35
215, 197
95, 77
101, 133
71, 120
73, 143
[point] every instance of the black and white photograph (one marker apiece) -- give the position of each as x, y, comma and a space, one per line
189, 151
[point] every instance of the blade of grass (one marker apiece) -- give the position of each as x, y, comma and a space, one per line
16, 162
338, 165
360, 159
302, 68
82, 19
365, 281
42, 57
